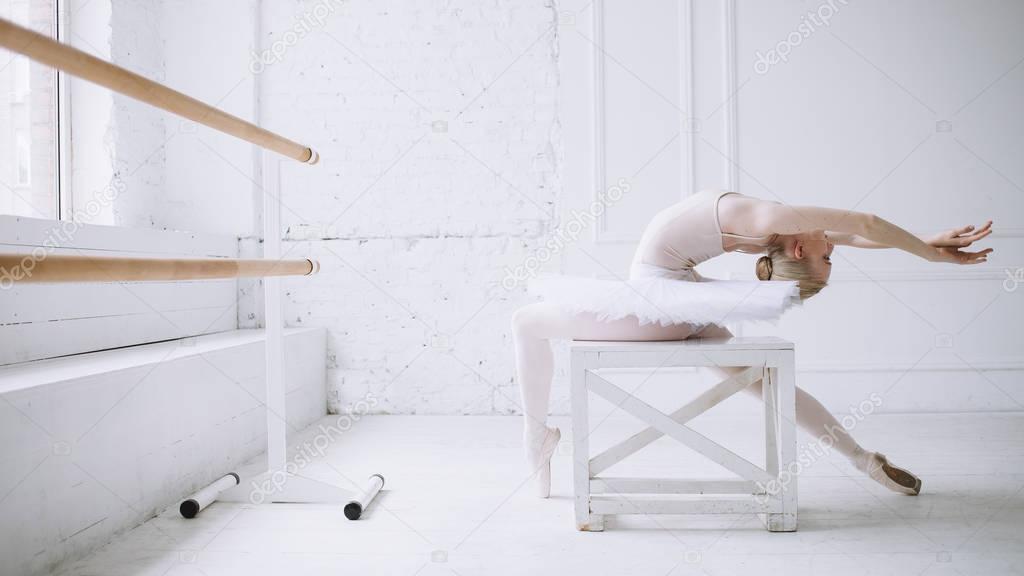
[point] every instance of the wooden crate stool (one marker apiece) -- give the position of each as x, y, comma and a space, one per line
771, 492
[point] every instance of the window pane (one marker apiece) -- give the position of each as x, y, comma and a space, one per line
28, 127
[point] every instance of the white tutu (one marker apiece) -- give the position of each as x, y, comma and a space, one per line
658, 295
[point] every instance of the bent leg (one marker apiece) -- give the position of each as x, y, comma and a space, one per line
535, 325
533, 328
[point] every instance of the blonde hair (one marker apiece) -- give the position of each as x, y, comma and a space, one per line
777, 265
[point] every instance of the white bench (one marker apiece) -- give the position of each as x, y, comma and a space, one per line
756, 490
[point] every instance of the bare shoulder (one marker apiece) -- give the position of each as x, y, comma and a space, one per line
741, 214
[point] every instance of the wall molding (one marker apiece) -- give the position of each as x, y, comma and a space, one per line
687, 122
895, 275
980, 365
688, 126
867, 274
732, 167
598, 153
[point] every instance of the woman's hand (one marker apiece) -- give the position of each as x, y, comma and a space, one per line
960, 237
948, 245
954, 255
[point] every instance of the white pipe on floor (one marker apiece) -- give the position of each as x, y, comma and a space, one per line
354, 509
196, 502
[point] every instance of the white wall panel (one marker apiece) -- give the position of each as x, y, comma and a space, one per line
629, 64
888, 109
907, 110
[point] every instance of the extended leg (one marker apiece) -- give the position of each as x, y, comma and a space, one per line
813, 417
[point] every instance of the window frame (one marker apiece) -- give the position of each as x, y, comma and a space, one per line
57, 207
62, 118
41, 321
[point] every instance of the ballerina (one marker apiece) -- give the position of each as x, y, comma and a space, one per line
666, 299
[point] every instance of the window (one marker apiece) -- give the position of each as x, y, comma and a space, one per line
29, 132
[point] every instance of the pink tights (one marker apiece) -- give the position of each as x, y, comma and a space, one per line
534, 325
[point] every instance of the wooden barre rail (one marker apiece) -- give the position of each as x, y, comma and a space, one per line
83, 65
25, 268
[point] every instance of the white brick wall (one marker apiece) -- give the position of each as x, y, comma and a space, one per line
438, 128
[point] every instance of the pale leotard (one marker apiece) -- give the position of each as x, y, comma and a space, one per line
687, 233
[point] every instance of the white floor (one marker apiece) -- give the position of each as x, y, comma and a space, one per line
455, 503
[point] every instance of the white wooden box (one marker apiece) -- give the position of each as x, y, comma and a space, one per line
770, 491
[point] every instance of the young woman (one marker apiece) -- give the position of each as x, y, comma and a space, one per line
666, 299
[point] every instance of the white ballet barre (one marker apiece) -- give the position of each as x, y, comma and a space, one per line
54, 54
288, 487
54, 268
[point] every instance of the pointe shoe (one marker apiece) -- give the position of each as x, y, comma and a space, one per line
539, 460
892, 477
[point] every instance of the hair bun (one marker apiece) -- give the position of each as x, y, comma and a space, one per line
764, 268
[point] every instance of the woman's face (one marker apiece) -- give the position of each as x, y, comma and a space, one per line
816, 250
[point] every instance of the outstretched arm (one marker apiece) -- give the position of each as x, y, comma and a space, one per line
955, 238
853, 240
872, 231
